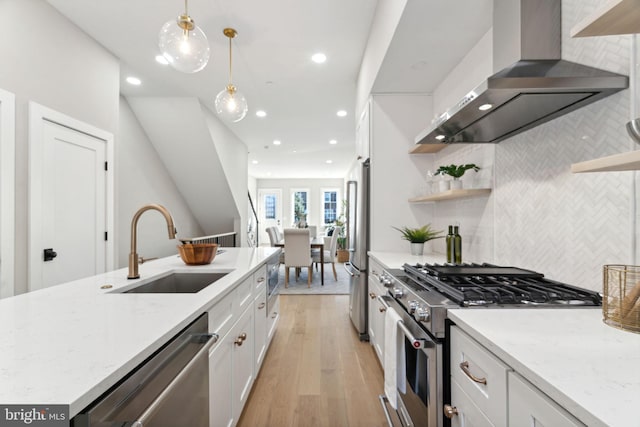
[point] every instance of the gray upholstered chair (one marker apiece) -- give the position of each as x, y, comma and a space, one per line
297, 252
330, 248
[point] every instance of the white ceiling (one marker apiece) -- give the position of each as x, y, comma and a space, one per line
272, 64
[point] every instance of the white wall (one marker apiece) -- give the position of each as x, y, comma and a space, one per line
234, 157
383, 27
395, 175
52, 62
141, 178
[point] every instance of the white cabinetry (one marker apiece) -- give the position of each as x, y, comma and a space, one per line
528, 406
363, 133
376, 317
487, 392
480, 375
272, 319
241, 321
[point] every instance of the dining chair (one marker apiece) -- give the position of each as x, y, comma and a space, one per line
313, 231
273, 239
297, 252
330, 248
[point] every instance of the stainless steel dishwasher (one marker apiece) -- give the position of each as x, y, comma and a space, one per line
170, 388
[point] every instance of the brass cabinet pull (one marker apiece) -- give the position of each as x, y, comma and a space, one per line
274, 315
261, 306
240, 339
450, 411
372, 295
382, 309
465, 368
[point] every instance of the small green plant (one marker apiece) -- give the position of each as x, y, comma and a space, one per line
419, 235
456, 171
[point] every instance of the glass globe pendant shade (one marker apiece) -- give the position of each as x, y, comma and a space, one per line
231, 105
184, 45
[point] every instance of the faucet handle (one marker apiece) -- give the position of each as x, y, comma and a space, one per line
142, 259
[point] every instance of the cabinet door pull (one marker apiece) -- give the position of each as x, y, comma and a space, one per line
450, 411
261, 306
372, 295
465, 368
240, 339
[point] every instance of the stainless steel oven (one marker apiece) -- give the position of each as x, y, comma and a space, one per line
419, 403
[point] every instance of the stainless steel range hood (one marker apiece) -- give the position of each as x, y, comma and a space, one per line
537, 87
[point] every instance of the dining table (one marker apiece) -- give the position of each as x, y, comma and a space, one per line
316, 243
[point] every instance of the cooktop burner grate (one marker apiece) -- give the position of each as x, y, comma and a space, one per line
486, 284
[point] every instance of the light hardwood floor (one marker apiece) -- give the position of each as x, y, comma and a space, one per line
316, 372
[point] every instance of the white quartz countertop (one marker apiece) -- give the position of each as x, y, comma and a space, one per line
398, 259
69, 343
588, 367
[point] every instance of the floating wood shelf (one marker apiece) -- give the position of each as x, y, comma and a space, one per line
618, 162
613, 17
452, 194
426, 148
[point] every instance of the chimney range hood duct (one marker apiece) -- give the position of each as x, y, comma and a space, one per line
533, 85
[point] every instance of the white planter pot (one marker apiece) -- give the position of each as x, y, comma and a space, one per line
443, 186
456, 184
417, 248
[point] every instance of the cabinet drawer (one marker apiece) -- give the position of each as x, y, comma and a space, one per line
221, 315
243, 296
468, 414
528, 406
260, 280
272, 320
485, 379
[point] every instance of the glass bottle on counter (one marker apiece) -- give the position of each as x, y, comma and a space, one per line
457, 246
450, 245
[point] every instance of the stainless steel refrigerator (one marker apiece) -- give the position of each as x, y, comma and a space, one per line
358, 240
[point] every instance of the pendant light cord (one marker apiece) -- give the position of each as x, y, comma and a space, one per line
186, 10
230, 59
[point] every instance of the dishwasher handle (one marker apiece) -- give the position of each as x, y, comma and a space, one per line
143, 419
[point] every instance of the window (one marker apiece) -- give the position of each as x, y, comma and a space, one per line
300, 205
270, 206
330, 199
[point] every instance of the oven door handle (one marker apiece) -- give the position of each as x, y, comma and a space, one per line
415, 342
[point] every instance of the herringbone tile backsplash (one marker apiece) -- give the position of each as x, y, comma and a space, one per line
540, 215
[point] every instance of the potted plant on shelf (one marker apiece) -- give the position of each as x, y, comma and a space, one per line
340, 223
418, 236
456, 172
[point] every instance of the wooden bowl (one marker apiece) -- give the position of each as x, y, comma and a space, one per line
198, 253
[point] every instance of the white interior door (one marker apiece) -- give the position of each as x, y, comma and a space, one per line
69, 204
269, 211
7, 193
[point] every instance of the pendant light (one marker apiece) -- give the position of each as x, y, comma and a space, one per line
184, 44
231, 105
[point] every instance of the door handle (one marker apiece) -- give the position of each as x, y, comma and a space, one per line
49, 254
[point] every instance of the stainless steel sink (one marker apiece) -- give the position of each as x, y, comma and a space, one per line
178, 283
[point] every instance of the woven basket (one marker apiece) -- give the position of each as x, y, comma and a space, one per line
621, 302
198, 253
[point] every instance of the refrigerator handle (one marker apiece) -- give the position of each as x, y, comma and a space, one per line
348, 268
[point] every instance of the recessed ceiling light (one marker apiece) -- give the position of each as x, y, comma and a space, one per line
341, 113
294, 151
277, 142
319, 58
440, 137
134, 81
485, 107
261, 113
329, 162
162, 60
255, 162
333, 142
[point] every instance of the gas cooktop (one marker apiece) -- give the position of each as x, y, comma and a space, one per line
487, 284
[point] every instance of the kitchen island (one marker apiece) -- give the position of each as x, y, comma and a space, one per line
69, 343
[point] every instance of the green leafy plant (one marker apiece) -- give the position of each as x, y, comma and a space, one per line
456, 171
419, 235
